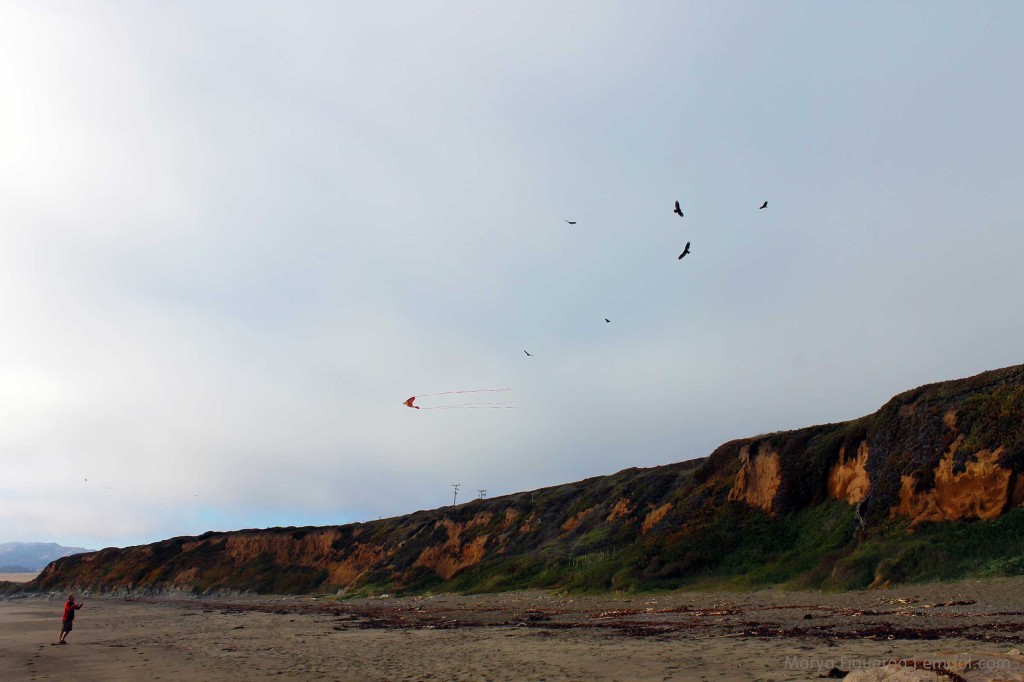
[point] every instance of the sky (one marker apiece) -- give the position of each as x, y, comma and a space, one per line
236, 236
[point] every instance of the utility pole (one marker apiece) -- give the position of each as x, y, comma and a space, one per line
455, 486
483, 494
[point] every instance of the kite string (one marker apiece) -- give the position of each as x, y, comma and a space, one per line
478, 390
472, 406
463, 404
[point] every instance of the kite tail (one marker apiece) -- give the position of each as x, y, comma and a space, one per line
441, 407
477, 390
472, 406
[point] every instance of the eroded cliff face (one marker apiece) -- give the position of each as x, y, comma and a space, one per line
759, 477
419, 549
982, 490
456, 552
848, 479
945, 452
654, 517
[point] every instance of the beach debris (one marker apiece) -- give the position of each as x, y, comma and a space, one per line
954, 602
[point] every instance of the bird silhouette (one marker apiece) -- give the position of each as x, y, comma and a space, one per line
607, 320
685, 251
529, 355
764, 205
571, 222
678, 210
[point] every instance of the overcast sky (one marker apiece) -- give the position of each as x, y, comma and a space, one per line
236, 236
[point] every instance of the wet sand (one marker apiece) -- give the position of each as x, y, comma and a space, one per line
766, 635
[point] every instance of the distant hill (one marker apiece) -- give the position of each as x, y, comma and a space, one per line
928, 487
29, 557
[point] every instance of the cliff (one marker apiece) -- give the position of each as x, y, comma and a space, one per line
916, 490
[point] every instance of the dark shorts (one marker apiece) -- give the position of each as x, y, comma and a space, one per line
65, 625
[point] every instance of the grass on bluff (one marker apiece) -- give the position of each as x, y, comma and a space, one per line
936, 551
263, 576
743, 548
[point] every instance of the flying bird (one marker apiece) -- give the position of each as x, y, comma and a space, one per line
571, 222
529, 355
764, 205
678, 210
685, 251
607, 320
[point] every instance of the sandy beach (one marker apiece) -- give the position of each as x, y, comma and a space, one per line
767, 635
17, 577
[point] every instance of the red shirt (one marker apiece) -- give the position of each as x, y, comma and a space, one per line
69, 609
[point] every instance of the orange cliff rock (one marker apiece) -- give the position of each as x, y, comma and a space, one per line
759, 477
575, 519
656, 515
622, 508
848, 480
452, 556
983, 490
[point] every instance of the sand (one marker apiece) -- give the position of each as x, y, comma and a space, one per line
764, 635
17, 577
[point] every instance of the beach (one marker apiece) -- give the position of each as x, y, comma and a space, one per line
765, 635
17, 577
